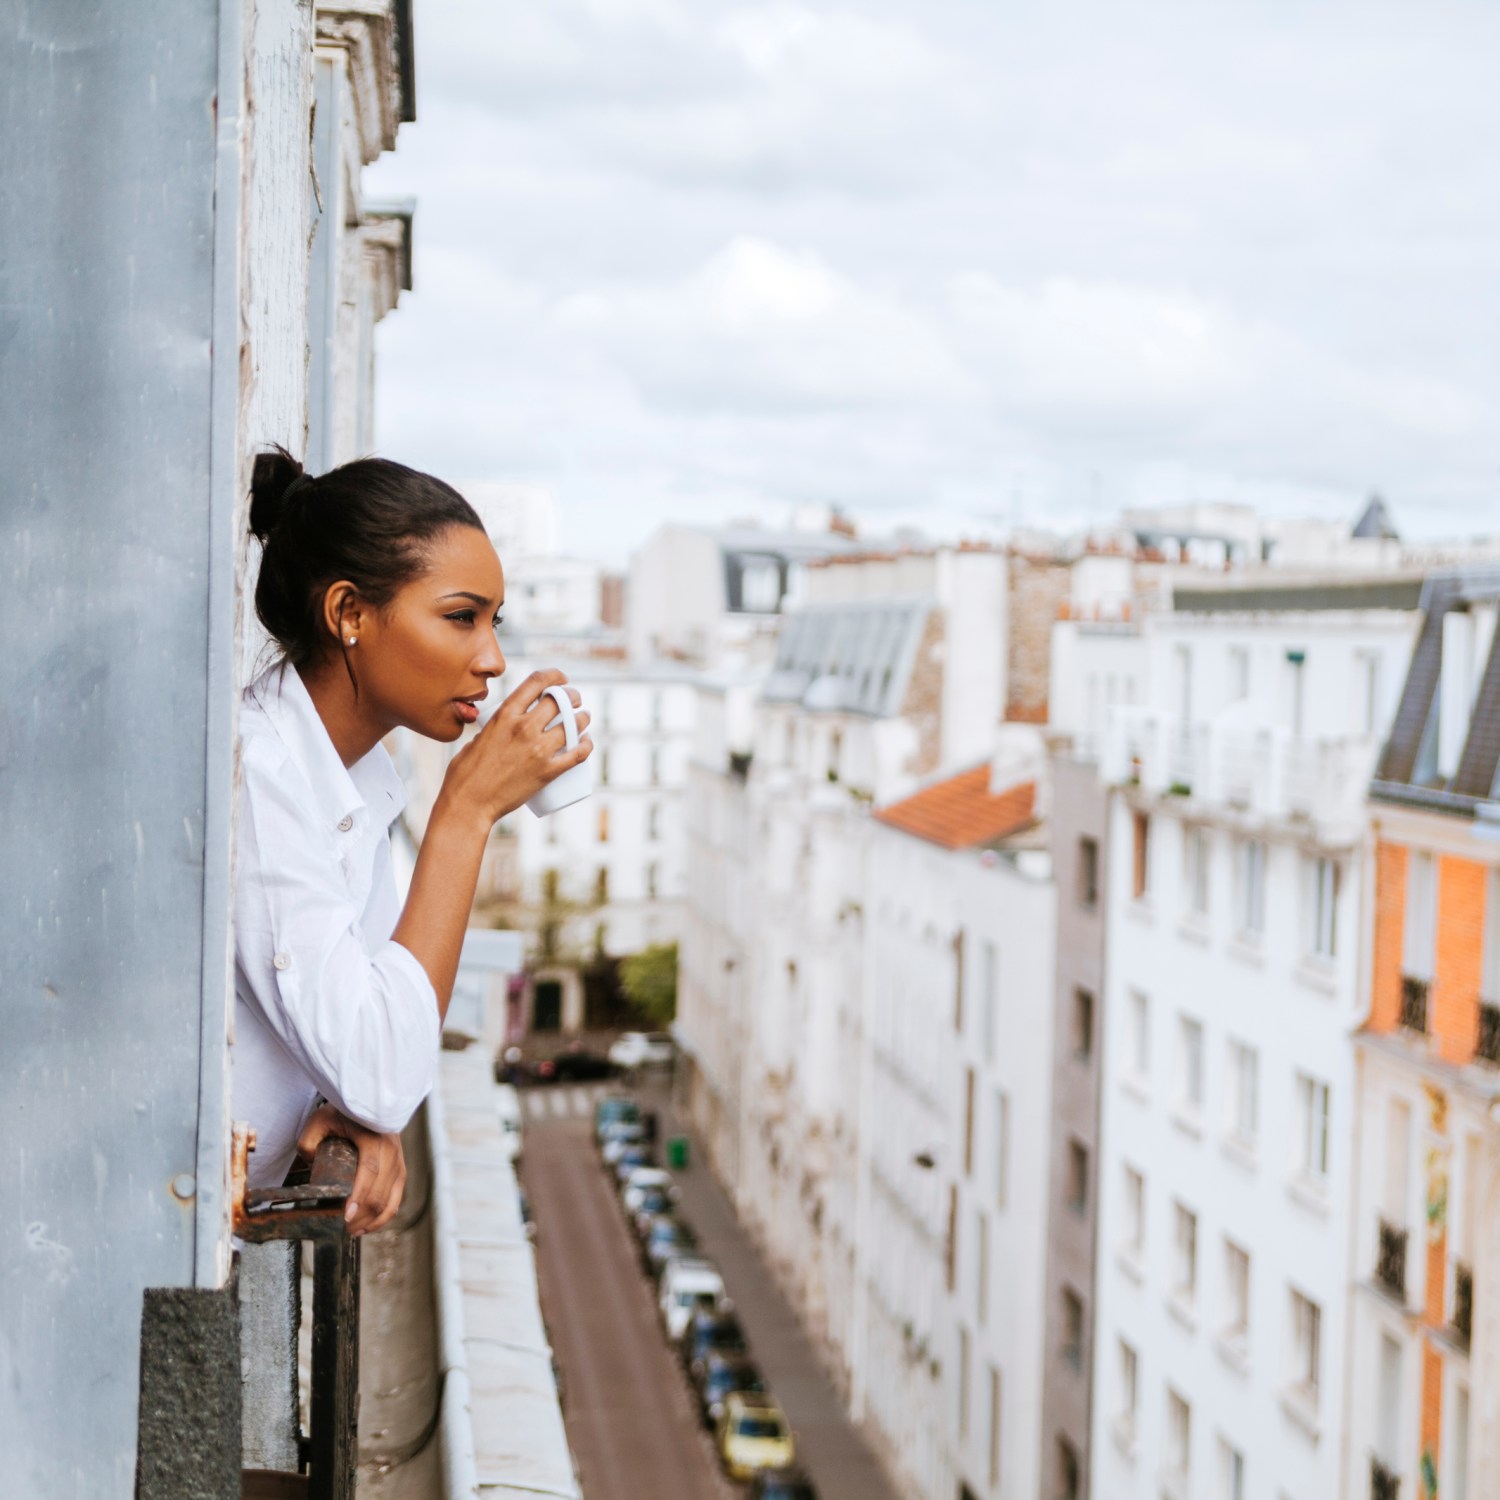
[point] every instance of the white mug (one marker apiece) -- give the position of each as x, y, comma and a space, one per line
577, 781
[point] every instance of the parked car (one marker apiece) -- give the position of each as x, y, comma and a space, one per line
691, 1283
753, 1434
723, 1374
638, 1182
612, 1109
618, 1136
633, 1158
711, 1330
654, 1202
528, 1220
640, 1049
508, 1105
782, 1484
667, 1236
579, 1065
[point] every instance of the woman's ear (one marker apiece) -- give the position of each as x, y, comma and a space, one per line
343, 614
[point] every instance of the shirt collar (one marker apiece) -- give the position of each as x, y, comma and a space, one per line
370, 786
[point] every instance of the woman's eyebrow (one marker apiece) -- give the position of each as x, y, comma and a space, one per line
480, 599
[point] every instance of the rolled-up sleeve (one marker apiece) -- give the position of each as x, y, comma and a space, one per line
360, 1017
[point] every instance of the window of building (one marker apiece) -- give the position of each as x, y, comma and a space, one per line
1239, 673
1489, 978
603, 758
1078, 1177
1068, 1472
551, 830
1140, 856
1312, 1127
1195, 856
1307, 1335
958, 981
1179, 1439
989, 987
1236, 1293
981, 1267
1002, 1146
1231, 1472
1396, 1176
968, 1122
963, 1382
651, 882
653, 820
1457, 1446
993, 1446
1388, 1430
1184, 1253
601, 885
656, 710
1296, 691
1323, 878
952, 1239
1129, 1391
603, 829
655, 766
1072, 1328
549, 886
1243, 1094
1088, 872
1135, 1213
1367, 680
1083, 1024
1189, 1066
1418, 940
1250, 888
1138, 1055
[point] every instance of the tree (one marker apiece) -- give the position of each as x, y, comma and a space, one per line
649, 979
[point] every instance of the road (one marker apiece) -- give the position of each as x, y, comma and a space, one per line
629, 1412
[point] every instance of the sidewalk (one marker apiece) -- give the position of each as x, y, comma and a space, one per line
841, 1464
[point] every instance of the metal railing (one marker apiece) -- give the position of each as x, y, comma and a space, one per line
1414, 994
1489, 1032
314, 1210
1462, 1320
1385, 1484
1390, 1260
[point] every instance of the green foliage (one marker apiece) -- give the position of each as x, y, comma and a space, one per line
649, 980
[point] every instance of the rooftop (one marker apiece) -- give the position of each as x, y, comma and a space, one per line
961, 812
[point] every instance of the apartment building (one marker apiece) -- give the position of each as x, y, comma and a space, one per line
1233, 887
1425, 1342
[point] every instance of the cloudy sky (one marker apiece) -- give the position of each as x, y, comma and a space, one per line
978, 262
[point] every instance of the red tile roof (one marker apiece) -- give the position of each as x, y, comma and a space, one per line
962, 812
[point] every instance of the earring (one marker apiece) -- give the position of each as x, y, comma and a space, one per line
351, 640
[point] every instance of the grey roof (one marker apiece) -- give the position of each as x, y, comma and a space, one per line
855, 658
1375, 522
1325, 592
1407, 768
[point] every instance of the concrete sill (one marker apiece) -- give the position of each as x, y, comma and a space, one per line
1301, 1407
1245, 949
1122, 1429
1174, 1484
1320, 974
1140, 911
1240, 1152
1310, 1192
1180, 1305
1189, 1121
1137, 1088
1129, 1262
1194, 930
1234, 1351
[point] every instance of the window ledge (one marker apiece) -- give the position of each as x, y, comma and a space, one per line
1311, 1192
1247, 949
1318, 973
1192, 929
1174, 1484
1123, 1431
1241, 1152
1180, 1305
1139, 910
1234, 1349
1129, 1261
1188, 1120
1301, 1406
1136, 1087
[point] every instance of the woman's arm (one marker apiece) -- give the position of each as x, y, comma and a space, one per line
508, 762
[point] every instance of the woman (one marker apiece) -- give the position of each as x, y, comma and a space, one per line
382, 591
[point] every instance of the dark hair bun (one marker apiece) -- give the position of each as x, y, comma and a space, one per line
274, 474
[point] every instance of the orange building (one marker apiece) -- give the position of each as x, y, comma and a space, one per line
1425, 1323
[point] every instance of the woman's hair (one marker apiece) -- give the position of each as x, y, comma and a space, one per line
370, 521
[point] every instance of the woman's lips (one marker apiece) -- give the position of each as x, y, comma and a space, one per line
468, 712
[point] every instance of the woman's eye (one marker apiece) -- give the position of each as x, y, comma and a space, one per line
466, 615
498, 621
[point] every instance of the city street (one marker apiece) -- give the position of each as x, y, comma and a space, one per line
629, 1412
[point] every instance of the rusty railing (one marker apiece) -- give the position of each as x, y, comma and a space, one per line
314, 1210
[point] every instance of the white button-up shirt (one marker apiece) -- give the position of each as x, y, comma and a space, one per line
325, 1002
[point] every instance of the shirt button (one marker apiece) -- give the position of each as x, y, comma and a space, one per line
346, 823
282, 961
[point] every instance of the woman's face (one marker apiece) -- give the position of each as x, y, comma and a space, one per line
426, 660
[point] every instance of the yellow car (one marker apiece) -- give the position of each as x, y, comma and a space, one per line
753, 1435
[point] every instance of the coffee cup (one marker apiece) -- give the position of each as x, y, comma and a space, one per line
577, 781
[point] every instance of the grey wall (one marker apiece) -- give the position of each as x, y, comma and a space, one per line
1080, 809
117, 287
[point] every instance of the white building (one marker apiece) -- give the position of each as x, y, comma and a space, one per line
1234, 878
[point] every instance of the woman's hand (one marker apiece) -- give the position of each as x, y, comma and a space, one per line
380, 1177
515, 755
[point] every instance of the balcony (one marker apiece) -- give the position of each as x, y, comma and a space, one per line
1384, 1483
1390, 1260
1414, 993
1489, 1033
1266, 772
1461, 1324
